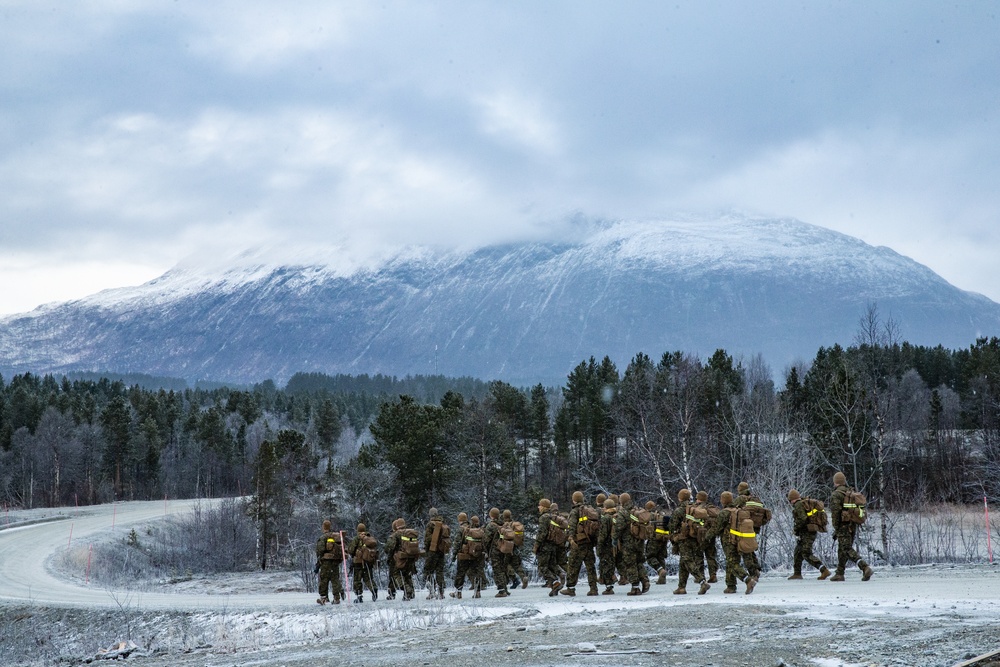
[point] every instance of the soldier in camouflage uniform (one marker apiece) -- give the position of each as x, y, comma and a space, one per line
545, 550
459, 555
606, 546
707, 546
562, 553
691, 556
658, 545
477, 564
515, 560
844, 532
362, 572
804, 538
436, 552
498, 559
632, 547
330, 554
742, 496
722, 529
403, 572
581, 548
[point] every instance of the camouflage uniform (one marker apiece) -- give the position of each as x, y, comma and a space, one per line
434, 560
401, 576
498, 559
708, 546
845, 532
743, 495
657, 546
721, 529
469, 565
691, 556
545, 550
631, 547
606, 548
515, 560
362, 572
804, 539
459, 556
329, 552
581, 549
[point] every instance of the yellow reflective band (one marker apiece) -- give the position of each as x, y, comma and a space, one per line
330, 540
751, 503
811, 512
700, 522
739, 534
582, 519
660, 531
407, 539
554, 524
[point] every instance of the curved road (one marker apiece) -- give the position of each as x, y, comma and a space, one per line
24, 577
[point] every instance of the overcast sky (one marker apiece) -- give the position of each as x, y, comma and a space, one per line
135, 135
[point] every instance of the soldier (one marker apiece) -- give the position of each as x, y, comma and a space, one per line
498, 559
584, 525
745, 498
844, 531
562, 553
658, 544
683, 532
606, 547
515, 560
363, 550
437, 541
330, 554
630, 539
548, 541
475, 540
805, 537
707, 546
399, 548
460, 554
723, 528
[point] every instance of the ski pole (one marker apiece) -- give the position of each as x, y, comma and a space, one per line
989, 543
343, 563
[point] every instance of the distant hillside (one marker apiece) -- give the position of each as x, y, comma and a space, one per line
523, 313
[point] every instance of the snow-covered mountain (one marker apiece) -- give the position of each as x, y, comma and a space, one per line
523, 313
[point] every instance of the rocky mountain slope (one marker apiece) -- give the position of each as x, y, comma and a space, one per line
523, 313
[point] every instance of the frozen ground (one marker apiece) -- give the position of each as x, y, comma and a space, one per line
933, 615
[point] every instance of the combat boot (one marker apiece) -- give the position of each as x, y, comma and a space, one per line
751, 582
524, 581
357, 599
680, 591
609, 590
374, 596
622, 580
837, 577
704, 587
322, 600
568, 591
729, 589
502, 594
824, 573
593, 590
866, 570
635, 591
712, 579
645, 586
336, 599
662, 572
556, 585
795, 575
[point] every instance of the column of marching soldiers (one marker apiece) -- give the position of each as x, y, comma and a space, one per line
613, 539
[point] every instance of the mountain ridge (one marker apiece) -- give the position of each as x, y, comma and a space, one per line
521, 312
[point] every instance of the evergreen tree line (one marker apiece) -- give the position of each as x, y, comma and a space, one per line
908, 424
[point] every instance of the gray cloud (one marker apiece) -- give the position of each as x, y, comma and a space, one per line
137, 135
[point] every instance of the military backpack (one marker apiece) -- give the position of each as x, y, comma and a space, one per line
558, 531
409, 543
518, 529
367, 551
696, 519
661, 527
761, 515
588, 524
506, 539
331, 547
816, 518
741, 530
639, 522
855, 508
473, 542
441, 537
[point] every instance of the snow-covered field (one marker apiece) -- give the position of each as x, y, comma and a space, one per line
929, 615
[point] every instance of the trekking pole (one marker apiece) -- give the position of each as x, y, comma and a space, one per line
989, 543
343, 563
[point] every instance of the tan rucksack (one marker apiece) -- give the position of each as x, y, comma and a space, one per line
661, 527
367, 551
761, 515
816, 518
473, 545
505, 540
855, 507
741, 530
639, 522
558, 529
588, 525
518, 529
441, 538
696, 517
331, 546
409, 543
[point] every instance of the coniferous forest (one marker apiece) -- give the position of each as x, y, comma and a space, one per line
908, 425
